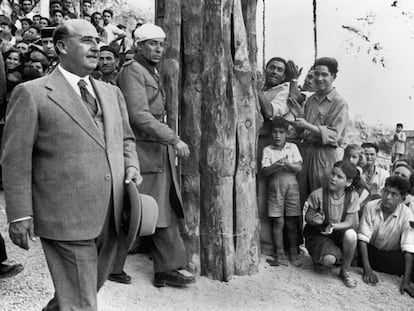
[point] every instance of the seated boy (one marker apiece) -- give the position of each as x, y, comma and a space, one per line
385, 237
281, 161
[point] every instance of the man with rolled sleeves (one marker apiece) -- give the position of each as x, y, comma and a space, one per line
157, 145
68, 151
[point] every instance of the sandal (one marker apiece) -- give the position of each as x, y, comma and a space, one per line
347, 279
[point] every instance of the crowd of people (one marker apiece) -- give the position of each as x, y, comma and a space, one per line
342, 211
91, 117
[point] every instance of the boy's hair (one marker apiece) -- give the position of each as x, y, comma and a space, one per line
329, 62
370, 145
280, 123
350, 148
402, 185
399, 125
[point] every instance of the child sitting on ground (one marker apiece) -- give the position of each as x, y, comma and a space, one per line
330, 235
280, 162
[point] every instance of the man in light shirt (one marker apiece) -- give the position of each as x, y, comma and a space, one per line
385, 235
114, 33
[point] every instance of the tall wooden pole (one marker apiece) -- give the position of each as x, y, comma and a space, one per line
192, 60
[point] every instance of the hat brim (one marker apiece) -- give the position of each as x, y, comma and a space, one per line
149, 215
133, 209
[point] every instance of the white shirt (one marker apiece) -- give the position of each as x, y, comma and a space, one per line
113, 32
271, 155
74, 79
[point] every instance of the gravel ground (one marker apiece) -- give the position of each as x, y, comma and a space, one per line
273, 288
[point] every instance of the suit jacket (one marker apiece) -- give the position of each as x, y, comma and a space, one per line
57, 166
155, 140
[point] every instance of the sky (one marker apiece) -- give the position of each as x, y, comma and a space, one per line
375, 93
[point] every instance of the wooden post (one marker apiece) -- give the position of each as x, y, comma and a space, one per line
192, 29
244, 96
217, 87
171, 65
218, 145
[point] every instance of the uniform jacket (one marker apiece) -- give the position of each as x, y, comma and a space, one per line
57, 166
146, 109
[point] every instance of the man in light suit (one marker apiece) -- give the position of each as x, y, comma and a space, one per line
68, 150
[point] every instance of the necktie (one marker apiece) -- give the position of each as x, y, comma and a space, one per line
88, 98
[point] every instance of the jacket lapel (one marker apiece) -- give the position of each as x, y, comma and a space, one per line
62, 93
106, 100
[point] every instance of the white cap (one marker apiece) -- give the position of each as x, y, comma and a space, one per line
148, 31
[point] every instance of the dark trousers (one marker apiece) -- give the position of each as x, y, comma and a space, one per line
3, 254
80, 268
167, 249
391, 262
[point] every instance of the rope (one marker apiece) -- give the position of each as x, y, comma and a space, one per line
315, 34
264, 34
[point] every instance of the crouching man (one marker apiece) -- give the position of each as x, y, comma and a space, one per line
385, 236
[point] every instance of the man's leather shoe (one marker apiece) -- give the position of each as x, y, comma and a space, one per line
7, 271
172, 278
120, 278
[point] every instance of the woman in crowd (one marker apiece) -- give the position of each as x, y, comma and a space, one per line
13, 62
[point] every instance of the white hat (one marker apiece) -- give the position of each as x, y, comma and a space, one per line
148, 31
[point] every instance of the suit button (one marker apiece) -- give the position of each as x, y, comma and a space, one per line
107, 177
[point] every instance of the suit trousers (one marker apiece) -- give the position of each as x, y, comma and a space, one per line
3, 254
80, 268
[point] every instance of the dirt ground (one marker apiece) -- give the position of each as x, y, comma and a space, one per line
273, 288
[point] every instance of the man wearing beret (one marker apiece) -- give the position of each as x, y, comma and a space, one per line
108, 64
157, 145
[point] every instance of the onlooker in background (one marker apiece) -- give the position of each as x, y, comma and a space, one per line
87, 17
108, 64
86, 8
114, 33
68, 9
32, 34
23, 47
398, 148
405, 171
25, 24
374, 176
56, 18
55, 5
14, 69
27, 9
385, 235
97, 21
6, 36
280, 163
44, 22
36, 19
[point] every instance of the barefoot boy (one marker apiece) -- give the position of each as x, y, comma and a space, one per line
280, 162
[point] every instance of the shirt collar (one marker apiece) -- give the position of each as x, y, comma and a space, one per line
394, 214
330, 95
74, 79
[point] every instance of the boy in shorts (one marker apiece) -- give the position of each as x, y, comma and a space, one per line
281, 162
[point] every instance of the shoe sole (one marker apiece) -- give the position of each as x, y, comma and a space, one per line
12, 272
170, 283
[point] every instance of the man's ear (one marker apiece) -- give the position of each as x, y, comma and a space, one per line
61, 47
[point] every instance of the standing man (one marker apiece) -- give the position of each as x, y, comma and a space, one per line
374, 176
324, 124
46, 35
68, 150
157, 145
114, 33
398, 148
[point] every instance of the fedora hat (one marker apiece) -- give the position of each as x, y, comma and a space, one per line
140, 214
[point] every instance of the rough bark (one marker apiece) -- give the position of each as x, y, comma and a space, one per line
246, 222
192, 29
217, 152
171, 65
